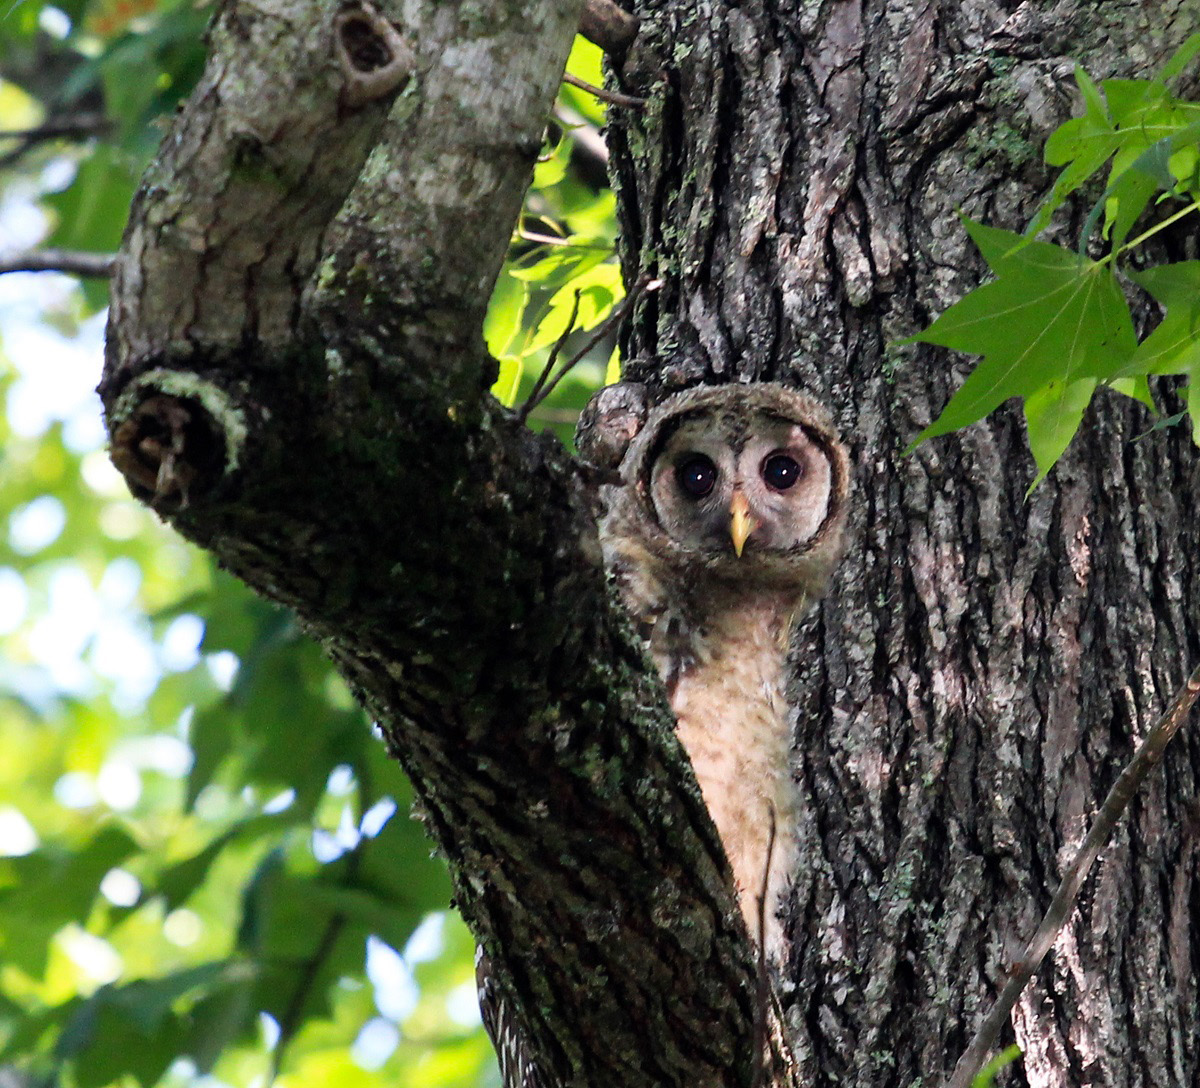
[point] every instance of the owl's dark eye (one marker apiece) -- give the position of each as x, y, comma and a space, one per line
696, 475
781, 471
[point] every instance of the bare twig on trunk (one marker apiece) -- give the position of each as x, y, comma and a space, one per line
80, 126
1147, 757
613, 98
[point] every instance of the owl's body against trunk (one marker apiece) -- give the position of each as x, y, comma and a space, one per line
724, 529
734, 722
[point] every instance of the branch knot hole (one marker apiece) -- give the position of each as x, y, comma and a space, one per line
374, 57
175, 438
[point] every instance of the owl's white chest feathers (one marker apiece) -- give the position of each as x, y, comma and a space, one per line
726, 677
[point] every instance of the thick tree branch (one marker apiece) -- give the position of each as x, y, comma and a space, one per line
302, 390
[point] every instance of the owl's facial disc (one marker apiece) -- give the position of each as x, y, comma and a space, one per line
743, 487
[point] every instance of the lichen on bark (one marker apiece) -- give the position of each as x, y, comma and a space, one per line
444, 556
975, 679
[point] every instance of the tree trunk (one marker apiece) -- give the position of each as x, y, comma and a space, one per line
986, 663
304, 395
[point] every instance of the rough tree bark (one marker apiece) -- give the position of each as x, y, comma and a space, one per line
295, 378
985, 663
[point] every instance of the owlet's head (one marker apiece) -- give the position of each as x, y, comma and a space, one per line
743, 482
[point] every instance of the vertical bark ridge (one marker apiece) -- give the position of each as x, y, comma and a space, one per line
986, 662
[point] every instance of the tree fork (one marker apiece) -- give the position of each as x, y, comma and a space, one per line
987, 658
295, 378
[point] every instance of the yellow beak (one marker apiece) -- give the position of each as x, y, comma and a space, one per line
741, 523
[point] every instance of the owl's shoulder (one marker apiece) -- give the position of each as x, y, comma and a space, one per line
640, 577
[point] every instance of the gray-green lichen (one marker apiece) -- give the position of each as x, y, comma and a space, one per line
220, 406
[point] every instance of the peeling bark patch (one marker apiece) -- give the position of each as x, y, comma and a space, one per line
374, 57
168, 449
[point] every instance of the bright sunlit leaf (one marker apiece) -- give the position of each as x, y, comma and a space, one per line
504, 389
1050, 316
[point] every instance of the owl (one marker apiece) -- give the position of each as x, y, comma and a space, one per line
724, 527
722, 520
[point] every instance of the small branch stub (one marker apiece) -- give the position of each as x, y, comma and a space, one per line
374, 57
608, 25
167, 449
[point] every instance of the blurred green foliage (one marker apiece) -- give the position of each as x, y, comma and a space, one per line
206, 861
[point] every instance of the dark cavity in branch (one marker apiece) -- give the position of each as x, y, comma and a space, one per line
365, 48
374, 56
168, 450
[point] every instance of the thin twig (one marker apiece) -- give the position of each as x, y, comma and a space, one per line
83, 124
615, 98
548, 221
557, 240
1147, 757
78, 127
616, 315
72, 262
532, 400
292, 1018
541, 239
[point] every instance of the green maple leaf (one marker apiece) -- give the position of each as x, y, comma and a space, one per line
1081, 147
1174, 346
1050, 319
1052, 416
